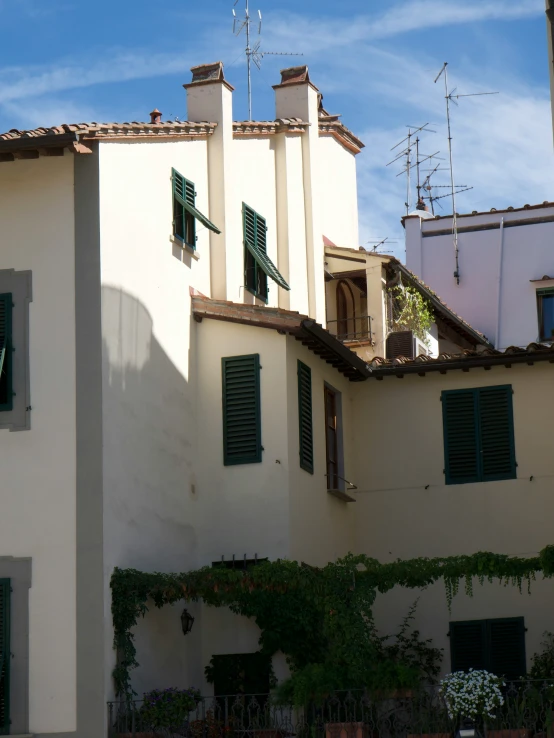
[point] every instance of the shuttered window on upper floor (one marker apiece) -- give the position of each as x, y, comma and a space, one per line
185, 212
5, 654
257, 264
478, 430
306, 439
6, 352
496, 645
242, 430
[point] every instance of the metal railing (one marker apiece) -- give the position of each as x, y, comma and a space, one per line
357, 328
528, 710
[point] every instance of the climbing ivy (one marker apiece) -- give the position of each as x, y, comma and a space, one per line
318, 617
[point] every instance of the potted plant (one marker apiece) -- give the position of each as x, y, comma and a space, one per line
163, 712
474, 696
429, 717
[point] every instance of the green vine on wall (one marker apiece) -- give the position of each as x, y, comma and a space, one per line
316, 616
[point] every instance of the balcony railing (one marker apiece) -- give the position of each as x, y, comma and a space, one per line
352, 329
528, 709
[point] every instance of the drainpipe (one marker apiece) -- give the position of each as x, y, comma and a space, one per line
499, 291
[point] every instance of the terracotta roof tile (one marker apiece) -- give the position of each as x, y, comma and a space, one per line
481, 357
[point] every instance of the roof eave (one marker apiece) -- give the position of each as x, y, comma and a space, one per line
477, 362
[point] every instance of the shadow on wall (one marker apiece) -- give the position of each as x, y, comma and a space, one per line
149, 411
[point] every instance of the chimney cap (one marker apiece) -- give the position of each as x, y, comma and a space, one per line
208, 74
295, 76
155, 116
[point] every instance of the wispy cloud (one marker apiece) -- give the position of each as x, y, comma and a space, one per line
17, 83
318, 37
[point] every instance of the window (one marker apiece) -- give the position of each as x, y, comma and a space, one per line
257, 264
333, 440
346, 312
5, 651
305, 417
495, 645
15, 296
242, 432
185, 213
478, 435
545, 308
6, 353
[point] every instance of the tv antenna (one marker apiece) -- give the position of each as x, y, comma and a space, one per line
253, 53
407, 153
450, 96
380, 242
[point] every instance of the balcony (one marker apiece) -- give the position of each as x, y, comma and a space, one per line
355, 331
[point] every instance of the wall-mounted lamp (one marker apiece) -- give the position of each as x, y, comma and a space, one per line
186, 621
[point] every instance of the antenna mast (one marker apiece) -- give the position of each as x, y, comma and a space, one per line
253, 54
407, 152
449, 97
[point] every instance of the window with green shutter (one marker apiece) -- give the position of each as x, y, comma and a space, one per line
305, 417
6, 357
5, 656
478, 430
545, 310
185, 213
257, 264
495, 645
242, 430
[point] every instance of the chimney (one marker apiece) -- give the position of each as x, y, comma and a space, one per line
155, 116
210, 99
296, 96
209, 95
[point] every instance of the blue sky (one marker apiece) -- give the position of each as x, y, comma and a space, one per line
374, 61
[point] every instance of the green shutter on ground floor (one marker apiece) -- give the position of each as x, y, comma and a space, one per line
5, 656
495, 645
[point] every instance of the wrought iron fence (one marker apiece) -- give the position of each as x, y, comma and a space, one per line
357, 328
527, 712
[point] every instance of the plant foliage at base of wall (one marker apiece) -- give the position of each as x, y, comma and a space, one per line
320, 618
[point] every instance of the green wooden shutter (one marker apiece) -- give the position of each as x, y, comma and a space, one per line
496, 432
242, 434
6, 359
261, 234
468, 644
506, 648
461, 451
249, 224
305, 417
5, 656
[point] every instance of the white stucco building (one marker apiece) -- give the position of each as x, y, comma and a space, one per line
169, 394
506, 269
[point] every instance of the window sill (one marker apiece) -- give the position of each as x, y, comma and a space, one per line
339, 494
259, 297
185, 247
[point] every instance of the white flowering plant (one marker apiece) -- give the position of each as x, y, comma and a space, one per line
475, 694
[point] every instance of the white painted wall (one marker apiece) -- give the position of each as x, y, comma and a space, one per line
38, 466
149, 397
405, 510
338, 192
526, 254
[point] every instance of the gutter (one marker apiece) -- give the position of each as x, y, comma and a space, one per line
38, 142
466, 364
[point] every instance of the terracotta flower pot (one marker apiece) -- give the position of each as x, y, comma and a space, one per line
515, 733
429, 735
349, 730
